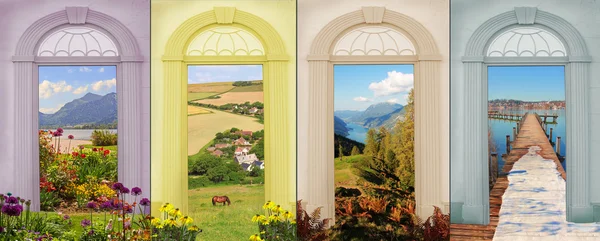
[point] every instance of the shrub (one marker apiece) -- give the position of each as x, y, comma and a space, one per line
104, 138
277, 224
311, 227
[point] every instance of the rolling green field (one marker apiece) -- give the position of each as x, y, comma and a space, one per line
345, 173
219, 223
251, 88
201, 95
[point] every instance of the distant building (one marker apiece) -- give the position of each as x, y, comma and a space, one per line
250, 158
241, 142
222, 145
211, 149
218, 153
241, 151
253, 110
259, 164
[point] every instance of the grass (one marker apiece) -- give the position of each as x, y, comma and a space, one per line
250, 88
345, 172
226, 222
111, 148
216, 87
195, 110
200, 95
235, 97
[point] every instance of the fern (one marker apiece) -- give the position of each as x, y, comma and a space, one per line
310, 227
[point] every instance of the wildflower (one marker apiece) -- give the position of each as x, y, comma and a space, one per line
66, 217
136, 191
12, 210
12, 200
92, 205
95, 149
71, 137
106, 152
194, 228
125, 190
264, 221
60, 130
145, 202
117, 186
166, 207
255, 237
86, 223
277, 209
258, 218
81, 147
185, 220
170, 222
75, 154
155, 221
274, 218
288, 215
268, 205
82, 155
175, 212
106, 205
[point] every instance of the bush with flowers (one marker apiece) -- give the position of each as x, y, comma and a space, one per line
173, 225
72, 178
276, 224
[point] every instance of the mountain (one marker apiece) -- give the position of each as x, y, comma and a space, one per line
347, 114
89, 109
376, 114
388, 120
340, 126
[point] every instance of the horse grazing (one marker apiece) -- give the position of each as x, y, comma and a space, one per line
221, 199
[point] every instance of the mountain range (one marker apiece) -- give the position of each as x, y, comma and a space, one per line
381, 114
91, 109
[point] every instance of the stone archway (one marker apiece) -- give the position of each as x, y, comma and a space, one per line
426, 59
129, 80
279, 153
471, 185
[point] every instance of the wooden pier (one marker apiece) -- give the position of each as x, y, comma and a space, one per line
531, 133
546, 117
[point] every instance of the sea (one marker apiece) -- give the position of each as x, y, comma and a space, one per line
357, 132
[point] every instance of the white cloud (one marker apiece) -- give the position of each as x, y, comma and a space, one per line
84, 69
395, 83
106, 84
70, 71
361, 99
51, 110
101, 70
48, 89
81, 90
394, 101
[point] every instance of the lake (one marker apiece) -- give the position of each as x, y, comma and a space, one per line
501, 128
357, 132
80, 134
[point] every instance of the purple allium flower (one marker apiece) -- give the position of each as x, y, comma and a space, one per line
125, 190
92, 205
1, 229
12, 210
86, 223
12, 200
66, 217
117, 186
81, 147
145, 202
117, 206
91, 232
136, 191
60, 130
55, 134
71, 137
106, 205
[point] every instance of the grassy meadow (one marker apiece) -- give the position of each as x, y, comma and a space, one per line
226, 222
195, 110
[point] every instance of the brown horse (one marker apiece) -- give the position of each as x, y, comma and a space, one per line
221, 199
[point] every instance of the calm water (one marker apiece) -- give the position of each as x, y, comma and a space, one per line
358, 132
81, 134
501, 128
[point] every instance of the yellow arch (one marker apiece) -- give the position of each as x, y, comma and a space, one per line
170, 183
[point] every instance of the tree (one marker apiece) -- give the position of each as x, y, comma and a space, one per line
404, 144
355, 151
259, 149
341, 152
371, 146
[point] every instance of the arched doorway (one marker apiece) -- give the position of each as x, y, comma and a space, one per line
329, 48
180, 52
567, 48
31, 53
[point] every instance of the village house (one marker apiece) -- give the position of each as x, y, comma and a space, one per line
250, 158
222, 145
217, 153
211, 149
241, 142
249, 166
241, 151
253, 110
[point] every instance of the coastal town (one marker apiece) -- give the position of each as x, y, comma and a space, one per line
504, 104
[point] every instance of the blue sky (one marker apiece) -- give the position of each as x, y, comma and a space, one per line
528, 83
198, 74
359, 86
59, 85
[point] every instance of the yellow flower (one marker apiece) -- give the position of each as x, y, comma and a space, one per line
160, 226
288, 215
155, 221
255, 237
194, 228
258, 218
170, 222
277, 209
186, 220
293, 221
265, 221
268, 205
175, 212
166, 207
274, 218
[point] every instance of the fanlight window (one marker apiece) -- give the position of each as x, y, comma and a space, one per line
78, 41
225, 41
374, 41
526, 42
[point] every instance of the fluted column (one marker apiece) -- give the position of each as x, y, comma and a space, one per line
27, 162
428, 159
476, 206
578, 176
280, 160
320, 140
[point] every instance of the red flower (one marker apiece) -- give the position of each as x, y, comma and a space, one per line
82, 155
75, 154
106, 152
102, 148
71, 137
95, 149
